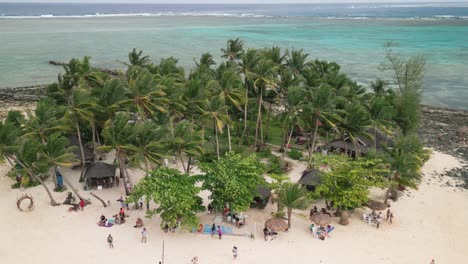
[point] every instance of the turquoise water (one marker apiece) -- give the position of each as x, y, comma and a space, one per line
357, 44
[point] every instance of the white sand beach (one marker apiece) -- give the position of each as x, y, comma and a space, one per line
429, 223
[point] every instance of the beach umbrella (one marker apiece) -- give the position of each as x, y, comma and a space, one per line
321, 219
376, 205
276, 224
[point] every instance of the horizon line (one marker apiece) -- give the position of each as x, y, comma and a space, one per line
237, 3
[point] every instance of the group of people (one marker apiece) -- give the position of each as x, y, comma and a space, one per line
321, 232
268, 234
376, 218
315, 211
215, 230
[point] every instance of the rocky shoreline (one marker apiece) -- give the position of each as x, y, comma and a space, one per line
442, 129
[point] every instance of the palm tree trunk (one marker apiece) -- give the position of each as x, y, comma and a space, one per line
83, 161
289, 217
312, 148
217, 140
259, 116
54, 177
182, 161
287, 144
229, 132
31, 174
189, 162
245, 109
356, 151
93, 130
268, 122
122, 171
75, 191
147, 167
375, 138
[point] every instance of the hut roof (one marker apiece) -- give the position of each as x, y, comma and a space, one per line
100, 170
321, 219
264, 191
276, 224
376, 205
364, 144
311, 177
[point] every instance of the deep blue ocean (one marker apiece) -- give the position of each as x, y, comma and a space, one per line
350, 34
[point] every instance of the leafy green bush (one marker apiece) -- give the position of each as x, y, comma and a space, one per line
274, 165
295, 154
264, 153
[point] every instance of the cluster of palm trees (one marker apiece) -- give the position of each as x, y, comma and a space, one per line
153, 111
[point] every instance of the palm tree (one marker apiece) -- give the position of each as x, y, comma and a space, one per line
81, 106
148, 144
184, 140
291, 117
215, 110
136, 59
381, 112
264, 77
320, 107
9, 134
293, 196
233, 49
56, 153
297, 61
355, 124
118, 133
142, 93
229, 88
27, 158
404, 168
250, 59
45, 121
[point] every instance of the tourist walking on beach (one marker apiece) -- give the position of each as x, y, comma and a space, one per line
387, 215
144, 233
234, 252
220, 233
110, 240
82, 204
213, 230
391, 217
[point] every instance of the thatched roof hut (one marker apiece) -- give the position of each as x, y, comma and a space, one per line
264, 191
277, 224
100, 170
310, 179
321, 219
363, 144
376, 205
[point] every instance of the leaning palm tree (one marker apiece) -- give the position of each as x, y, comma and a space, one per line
293, 196
381, 112
233, 49
56, 152
118, 133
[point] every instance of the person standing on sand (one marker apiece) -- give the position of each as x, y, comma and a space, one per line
110, 240
220, 233
82, 204
234, 252
432, 261
213, 230
388, 215
391, 217
144, 233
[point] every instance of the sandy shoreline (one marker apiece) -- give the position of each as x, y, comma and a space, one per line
429, 223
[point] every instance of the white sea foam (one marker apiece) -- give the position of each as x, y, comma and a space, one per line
197, 14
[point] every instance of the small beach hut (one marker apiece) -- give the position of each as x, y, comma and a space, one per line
310, 179
100, 174
277, 224
262, 197
321, 219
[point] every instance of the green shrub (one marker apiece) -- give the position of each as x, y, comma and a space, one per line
295, 154
264, 153
274, 166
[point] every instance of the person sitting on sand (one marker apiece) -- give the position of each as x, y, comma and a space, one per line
139, 223
266, 234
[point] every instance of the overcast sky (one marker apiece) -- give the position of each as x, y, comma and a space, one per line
232, 1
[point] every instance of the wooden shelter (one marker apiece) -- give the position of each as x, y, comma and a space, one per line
310, 179
100, 174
